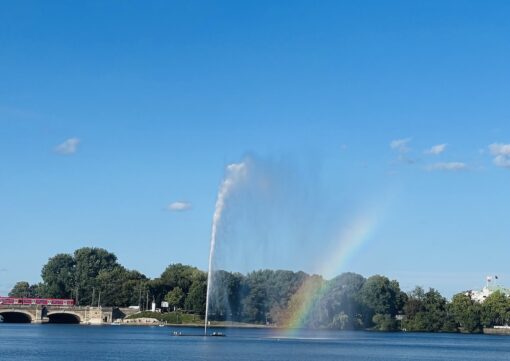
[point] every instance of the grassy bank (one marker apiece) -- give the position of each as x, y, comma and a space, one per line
186, 319
176, 318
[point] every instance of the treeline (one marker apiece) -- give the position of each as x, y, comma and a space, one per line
92, 276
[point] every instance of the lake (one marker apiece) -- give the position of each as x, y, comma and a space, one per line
25, 342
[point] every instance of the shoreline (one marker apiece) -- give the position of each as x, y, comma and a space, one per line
486, 331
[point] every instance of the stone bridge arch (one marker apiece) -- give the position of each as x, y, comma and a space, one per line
60, 316
17, 316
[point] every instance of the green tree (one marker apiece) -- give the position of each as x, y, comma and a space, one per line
280, 286
175, 298
466, 313
307, 296
24, 289
341, 299
384, 322
435, 310
179, 275
255, 302
341, 321
117, 287
195, 300
414, 302
59, 276
266, 294
224, 301
381, 296
175, 275
495, 310
89, 263
427, 311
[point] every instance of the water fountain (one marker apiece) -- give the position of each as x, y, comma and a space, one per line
235, 173
265, 215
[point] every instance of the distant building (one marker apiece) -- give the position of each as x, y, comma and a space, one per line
491, 286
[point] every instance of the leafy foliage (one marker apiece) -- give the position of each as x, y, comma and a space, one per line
496, 310
466, 313
24, 289
91, 276
175, 298
283, 298
427, 311
59, 276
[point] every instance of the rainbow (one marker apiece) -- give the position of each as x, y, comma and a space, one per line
349, 242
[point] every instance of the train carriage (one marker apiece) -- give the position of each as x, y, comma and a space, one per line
36, 301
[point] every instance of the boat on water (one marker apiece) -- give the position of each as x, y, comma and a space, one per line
214, 334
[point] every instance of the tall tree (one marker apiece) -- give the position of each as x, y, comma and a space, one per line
496, 310
175, 275
195, 300
175, 298
24, 289
117, 287
303, 309
89, 263
381, 296
466, 313
224, 301
59, 276
340, 303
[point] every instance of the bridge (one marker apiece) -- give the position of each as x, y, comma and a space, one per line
56, 314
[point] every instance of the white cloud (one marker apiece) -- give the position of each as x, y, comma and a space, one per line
68, 147
449, 166
501, 153
502, 161
500, 149
179, 206
401, 145
436, 149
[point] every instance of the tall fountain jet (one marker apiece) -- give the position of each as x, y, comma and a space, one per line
236, 172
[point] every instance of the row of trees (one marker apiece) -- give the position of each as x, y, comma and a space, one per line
93, 276
429, 311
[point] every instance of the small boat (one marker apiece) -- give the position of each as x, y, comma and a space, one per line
218, 334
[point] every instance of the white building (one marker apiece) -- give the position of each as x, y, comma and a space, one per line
490, 287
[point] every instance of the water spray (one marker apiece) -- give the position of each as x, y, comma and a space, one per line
235, 173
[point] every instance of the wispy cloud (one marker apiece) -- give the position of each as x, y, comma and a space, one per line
447, 166
179, 206
401, 145
436, 149
68, 147
501, 153
3, 270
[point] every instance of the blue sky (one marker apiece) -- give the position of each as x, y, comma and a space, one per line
112, 111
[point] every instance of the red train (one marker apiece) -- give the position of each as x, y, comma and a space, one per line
36, 301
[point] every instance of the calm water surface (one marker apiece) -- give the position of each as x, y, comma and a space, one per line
21, 342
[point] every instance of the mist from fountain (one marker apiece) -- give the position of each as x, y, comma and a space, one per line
235, 173
269, 214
